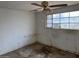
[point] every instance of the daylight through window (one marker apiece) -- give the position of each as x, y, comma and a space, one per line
67, 20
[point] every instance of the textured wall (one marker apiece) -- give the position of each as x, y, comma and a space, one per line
17, 29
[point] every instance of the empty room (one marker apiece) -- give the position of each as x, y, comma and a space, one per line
39, 29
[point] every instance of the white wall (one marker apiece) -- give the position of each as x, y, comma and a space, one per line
17, 29
61, 38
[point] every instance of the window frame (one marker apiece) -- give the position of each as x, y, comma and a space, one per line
69, 22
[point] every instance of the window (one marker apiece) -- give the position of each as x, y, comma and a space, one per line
67, 20
64, 20
74, 20
49, 21
56, 21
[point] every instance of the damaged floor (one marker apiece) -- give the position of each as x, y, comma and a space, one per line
38, 50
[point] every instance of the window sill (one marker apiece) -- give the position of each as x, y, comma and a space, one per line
62, 29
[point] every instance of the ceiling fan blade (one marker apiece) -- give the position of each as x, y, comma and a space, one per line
36, 10
36, 4
59, 5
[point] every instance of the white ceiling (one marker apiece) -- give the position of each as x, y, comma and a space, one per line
26, 5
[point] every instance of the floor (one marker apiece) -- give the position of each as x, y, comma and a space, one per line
38, 50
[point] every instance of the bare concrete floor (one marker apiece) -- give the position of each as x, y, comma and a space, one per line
38, 50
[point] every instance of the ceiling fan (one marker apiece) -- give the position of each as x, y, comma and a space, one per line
45, 6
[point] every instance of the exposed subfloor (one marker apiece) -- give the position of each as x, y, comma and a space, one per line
38, 50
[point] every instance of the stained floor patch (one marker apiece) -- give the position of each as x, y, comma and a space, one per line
38, 50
